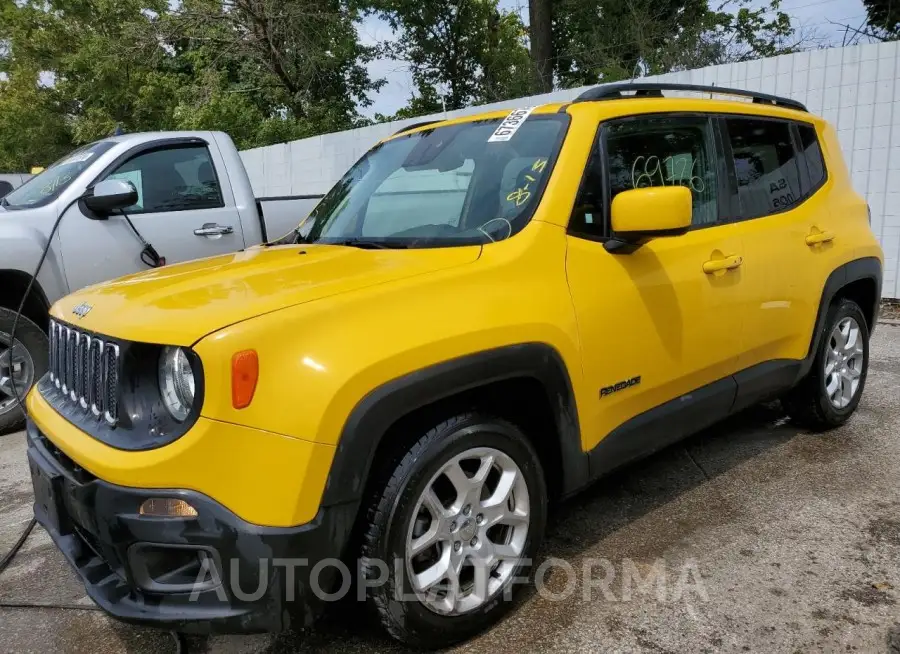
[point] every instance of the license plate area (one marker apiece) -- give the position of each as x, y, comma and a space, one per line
48, 491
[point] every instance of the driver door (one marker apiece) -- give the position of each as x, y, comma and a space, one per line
659, 336
179, 192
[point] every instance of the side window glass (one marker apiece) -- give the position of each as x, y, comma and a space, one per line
172, 179
765, 165
587, 215
666, 151
5, 187
812, 152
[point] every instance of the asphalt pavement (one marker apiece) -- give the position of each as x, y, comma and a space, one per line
752, 536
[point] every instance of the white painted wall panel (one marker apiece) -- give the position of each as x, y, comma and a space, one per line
857, 89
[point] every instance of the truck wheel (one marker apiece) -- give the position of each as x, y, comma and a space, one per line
830, 393
26, 362
453, 532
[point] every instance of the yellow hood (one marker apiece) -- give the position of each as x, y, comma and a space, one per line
181, 304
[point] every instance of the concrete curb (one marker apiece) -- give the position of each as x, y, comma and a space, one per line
889, 321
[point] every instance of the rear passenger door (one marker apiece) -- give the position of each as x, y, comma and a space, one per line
776, 203
653, 318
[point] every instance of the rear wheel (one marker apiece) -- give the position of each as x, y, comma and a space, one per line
454, 531
830, 393
21, 365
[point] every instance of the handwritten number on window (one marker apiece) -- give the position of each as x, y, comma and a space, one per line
649, 171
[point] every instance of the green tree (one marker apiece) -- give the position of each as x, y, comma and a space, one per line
33, 130
295, 61
468, 51
610, 40
882, 19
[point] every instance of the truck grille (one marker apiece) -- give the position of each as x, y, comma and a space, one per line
86, 370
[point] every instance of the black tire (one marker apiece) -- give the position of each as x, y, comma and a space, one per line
808, 404
35, 341
389, 515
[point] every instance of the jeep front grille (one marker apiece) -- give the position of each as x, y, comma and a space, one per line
86, 370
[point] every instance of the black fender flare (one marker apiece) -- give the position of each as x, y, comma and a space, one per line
852, 271
371, 418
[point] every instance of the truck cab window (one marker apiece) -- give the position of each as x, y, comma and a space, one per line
172, 179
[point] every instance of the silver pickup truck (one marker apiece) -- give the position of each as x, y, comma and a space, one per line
188, 197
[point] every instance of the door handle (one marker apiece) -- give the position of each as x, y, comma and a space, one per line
819, 237
212, 229
726, 263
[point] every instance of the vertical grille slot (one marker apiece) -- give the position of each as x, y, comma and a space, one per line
71, 346
86, 370
63, 342
52, 337
111, 382
97, 404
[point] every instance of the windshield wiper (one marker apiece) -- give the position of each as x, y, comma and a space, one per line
370, 245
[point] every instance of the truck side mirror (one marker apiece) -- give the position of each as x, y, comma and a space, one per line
110, 195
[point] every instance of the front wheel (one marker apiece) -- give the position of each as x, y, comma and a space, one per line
454, 531
20, 365
830, 393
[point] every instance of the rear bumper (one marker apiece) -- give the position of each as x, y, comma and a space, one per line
211, 573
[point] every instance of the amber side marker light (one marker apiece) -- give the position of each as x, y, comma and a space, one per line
167, 507
244, 373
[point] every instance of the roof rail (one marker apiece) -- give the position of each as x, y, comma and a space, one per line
415, 126
655, 89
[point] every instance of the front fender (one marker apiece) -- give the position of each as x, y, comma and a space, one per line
326, 364
21, 245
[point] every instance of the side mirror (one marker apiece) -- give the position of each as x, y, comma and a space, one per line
645, 213
110, 195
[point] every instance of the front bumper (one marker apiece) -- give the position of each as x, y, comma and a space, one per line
212, 573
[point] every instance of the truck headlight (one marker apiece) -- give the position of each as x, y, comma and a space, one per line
176, 382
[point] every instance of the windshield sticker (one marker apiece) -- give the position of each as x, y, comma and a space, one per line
78, 158
510, 125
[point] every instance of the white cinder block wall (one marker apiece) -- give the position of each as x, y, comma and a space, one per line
857, 89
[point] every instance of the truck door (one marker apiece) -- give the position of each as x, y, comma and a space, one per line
185, 210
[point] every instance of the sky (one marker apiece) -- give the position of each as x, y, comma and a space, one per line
816, 16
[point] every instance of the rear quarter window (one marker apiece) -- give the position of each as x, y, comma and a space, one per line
812, 154
765, 164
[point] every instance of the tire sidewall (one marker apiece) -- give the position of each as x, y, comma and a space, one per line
420, 621
35, 341
841, 310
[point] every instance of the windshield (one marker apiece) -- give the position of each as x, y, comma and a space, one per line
450, 185
56, 178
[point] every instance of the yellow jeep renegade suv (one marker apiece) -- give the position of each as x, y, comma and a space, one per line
483, 314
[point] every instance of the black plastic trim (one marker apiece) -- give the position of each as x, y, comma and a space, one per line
424, 123
96, 525
377, 411
144, 422
281, 198
853, 271
655, 89
663, 425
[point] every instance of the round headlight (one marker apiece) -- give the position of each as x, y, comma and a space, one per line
176, 382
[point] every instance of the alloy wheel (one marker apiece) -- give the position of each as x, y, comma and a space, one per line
844, 363
16, 365
468, 531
